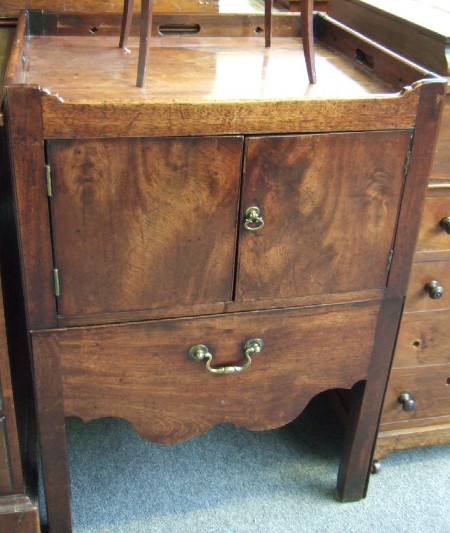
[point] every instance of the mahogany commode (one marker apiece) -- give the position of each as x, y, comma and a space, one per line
238, 220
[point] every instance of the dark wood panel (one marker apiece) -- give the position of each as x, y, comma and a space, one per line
11, 477
330, 206
169, 398
428, 386
423, 340
144, 224
6, 482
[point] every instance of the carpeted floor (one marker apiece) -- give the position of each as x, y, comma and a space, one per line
233, 480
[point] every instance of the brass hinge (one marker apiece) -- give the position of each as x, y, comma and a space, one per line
389, 261
407, 162
48, 175
56, 281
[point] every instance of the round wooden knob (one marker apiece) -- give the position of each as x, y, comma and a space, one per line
434, 290
407, 401
445, 224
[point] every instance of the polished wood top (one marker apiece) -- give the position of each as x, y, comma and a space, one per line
78, 69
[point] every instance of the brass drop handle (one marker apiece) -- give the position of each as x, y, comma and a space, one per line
445, 224
200, 352
435, 291
253, 219
407, 401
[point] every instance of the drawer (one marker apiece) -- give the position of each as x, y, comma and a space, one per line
422, 273
433, 235
423, 339
428, 386
142, 371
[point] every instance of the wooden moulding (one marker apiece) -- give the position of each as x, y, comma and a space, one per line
412, 437
18, 515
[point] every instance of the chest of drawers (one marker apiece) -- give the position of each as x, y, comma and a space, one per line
222, 245
421, 364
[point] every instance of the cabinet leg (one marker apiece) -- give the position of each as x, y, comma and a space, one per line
365, 409
52, 440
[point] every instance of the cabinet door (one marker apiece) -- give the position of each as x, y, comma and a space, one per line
329, 203
144, 223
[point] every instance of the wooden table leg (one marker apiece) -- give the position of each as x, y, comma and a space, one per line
127, 16
52, 440
308, 38
365, 409
146, 30
268, 5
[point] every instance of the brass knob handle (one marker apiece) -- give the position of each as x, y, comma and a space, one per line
200, 352
253, 219
407, 401
445, 224
435, 291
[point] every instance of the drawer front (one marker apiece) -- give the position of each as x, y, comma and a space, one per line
143, 224
433, 235
423, 339
329, 204
422, 274
142, 372
429, 388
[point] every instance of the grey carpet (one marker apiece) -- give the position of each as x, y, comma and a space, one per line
232, 480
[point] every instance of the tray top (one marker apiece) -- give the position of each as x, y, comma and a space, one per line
79, 68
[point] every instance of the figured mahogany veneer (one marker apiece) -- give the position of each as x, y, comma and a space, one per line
227, 200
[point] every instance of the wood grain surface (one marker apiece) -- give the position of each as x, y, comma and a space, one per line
144, 223
429, 387
169, 398
330, 205
390, 440
28, 163
423, 340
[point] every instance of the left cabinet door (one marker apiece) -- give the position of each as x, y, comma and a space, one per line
143, 223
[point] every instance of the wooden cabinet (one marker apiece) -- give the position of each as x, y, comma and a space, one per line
210, 256
421, 364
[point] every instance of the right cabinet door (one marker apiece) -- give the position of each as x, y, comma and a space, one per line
329, 203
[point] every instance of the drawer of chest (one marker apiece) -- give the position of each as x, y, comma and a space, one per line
429, 286
435, 228
423, 339
417, 393
265, 367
